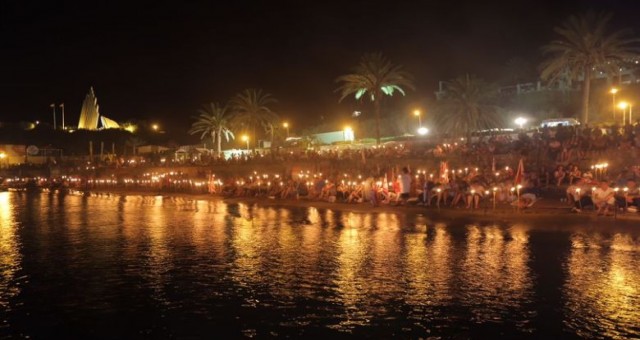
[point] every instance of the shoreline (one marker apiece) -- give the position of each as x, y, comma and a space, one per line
545, 210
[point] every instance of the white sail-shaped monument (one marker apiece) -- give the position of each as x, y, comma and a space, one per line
89, 114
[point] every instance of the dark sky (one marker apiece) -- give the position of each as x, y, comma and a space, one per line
161, 60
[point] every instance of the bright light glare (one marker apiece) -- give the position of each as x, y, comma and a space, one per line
423, 131
623, 105
348, 134
521, 121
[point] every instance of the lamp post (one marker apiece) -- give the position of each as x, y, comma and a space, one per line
286, 126
613, 92
245, 138
623, 106
418, 114
155, 127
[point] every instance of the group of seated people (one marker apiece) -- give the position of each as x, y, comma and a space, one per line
604, 198
472, 190
568, 175
455, 190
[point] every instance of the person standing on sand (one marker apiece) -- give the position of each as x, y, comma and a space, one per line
405, 186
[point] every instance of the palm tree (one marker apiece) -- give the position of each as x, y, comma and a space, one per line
374, 77
583, 47
251, 109
468, 106
214, 121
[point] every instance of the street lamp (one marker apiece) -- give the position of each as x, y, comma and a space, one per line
348, 134
418, 114
521, 121
155, 127
613, 92
423, 131
245, 138
286, 126
623, 106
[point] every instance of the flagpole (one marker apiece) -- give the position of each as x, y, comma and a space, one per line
53, 106
62, 107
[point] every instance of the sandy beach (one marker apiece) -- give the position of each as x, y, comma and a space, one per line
547, 211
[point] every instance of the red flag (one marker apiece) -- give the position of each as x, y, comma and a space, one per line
520, 173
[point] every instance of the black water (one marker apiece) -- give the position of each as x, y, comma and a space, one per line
123, 267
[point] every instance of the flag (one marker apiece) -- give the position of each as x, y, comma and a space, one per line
520, 173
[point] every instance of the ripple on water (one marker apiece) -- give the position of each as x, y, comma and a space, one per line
602, 291
157, 266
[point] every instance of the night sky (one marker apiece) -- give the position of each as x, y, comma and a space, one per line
161, 60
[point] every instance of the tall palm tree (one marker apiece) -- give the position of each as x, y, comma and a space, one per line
213, 121
584, 46
374, 77
251, 108
468, 106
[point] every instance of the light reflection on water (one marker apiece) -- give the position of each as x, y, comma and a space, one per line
161, 266
602, 290
10, 258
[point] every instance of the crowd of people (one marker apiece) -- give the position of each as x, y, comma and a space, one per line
470, 188
559, 164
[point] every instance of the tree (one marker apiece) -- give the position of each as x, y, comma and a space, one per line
374, 77
584, 47
214, 121
468, 106
251, 109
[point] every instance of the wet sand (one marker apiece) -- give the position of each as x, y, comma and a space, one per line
547, 212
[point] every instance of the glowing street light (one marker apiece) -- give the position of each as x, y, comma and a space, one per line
3, 155
286, 126
418, 114
623, 106
613, 92
423, 131
245, 138
348, 134
521, 121
155, 127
